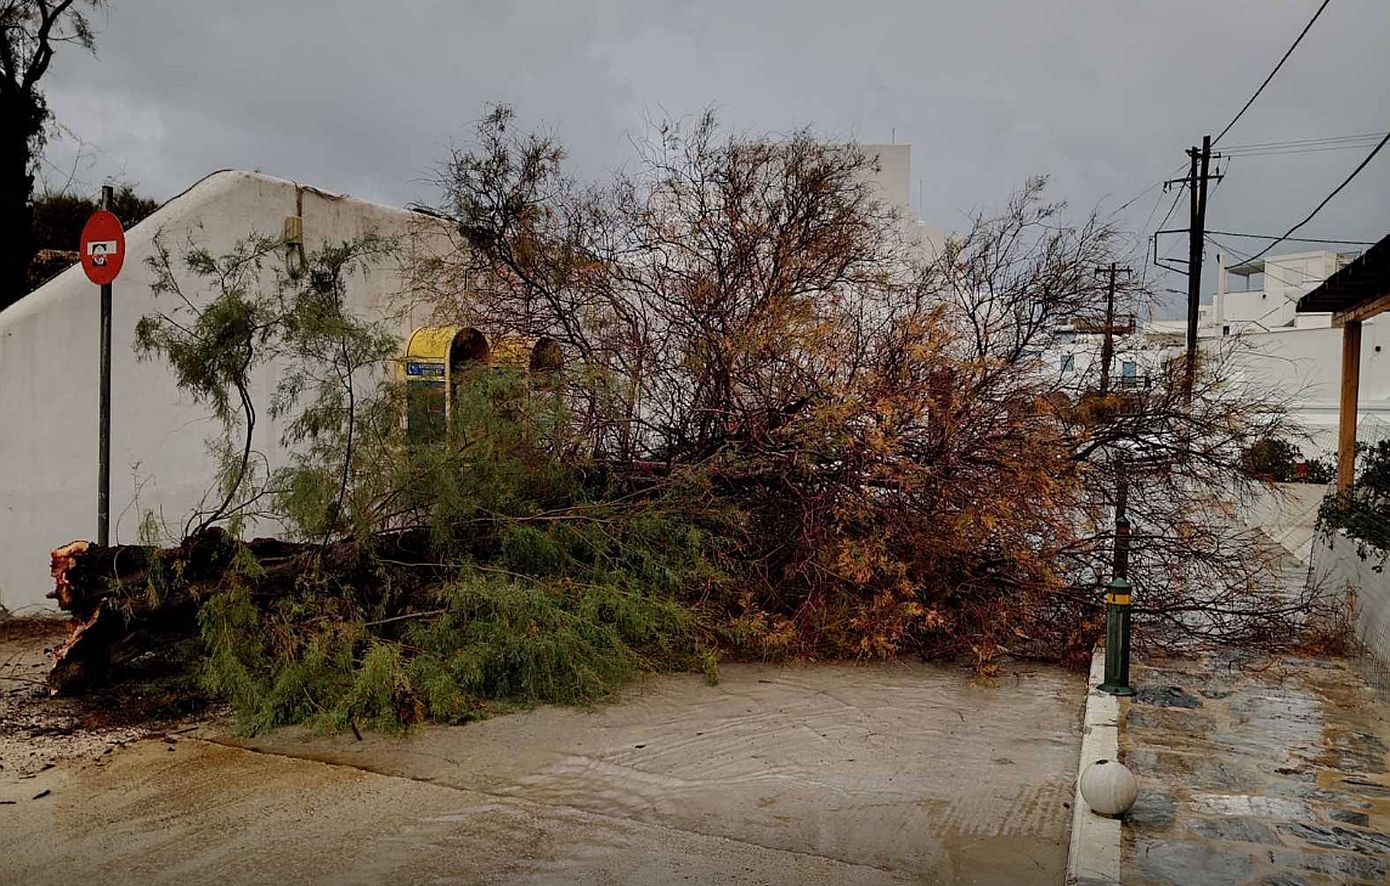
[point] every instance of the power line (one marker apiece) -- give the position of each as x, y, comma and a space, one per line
1269, 275
1316, 150
1144, 228
1258, 321
1294, 239
1141, 240
1182, 187
1363, 136
1304, 275
1328, 199
1142, 232
1247, 105
1130, 202
1173, 208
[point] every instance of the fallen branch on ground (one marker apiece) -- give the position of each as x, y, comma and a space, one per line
127, 599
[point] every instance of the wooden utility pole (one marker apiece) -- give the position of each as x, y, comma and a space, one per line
1107, 348
1196, 180
1195, 237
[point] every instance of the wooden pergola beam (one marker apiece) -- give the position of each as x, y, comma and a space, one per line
1346, 417
1363, 311
1354, 293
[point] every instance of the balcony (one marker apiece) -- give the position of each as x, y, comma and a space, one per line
1123, 324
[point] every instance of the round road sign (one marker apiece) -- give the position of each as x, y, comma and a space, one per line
102, 247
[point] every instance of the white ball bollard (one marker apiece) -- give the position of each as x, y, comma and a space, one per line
1109, 788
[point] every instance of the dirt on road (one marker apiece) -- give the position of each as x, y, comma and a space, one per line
806, 775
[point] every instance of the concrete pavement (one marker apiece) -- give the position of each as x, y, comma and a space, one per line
808, 775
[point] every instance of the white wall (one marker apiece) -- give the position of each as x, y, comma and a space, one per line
894, 177
1304, 367
1238, 307
1340, 571
49, 374
1268, 299
1288, 514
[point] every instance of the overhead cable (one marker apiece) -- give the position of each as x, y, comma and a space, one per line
1247, 105
1328, 199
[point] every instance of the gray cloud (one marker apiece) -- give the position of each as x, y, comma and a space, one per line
365, 97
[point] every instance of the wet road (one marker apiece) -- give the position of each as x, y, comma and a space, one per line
1257, 771
825, 774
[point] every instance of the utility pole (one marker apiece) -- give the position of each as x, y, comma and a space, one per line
1107, 348
1196, 234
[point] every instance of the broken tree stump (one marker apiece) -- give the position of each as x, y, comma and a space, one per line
126, 599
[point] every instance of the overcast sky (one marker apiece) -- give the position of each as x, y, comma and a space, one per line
364, 97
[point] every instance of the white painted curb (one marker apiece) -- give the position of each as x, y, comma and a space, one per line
1093, 857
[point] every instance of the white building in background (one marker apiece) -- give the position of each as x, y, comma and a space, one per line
893, 183
1074, 352
1269, 290
159, 460
1296, 357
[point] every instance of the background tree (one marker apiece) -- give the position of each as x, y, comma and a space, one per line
1013, 277
58, 219
30, 33
59, 216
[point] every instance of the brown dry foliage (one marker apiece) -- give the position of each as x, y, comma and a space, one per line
909, 478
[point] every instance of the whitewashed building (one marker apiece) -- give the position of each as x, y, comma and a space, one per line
159, 461
1295, 356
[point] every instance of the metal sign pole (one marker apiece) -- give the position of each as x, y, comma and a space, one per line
104, 446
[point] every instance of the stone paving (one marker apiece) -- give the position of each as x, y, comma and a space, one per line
1257, 771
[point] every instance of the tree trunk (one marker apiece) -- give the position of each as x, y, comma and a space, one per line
127, 599
23, 120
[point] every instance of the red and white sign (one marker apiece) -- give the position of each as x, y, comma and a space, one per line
103, 247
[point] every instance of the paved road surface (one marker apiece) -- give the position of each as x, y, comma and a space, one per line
825, 774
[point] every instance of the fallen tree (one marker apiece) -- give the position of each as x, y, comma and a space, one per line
779, 431
125, 600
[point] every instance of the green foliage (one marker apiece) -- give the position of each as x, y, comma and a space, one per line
521, 640
557, 590
1364, 512
494, 639
1319, 470
1271, 460
1279, 461
240, 312
709, 666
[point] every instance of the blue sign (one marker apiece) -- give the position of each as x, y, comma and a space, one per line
424, 370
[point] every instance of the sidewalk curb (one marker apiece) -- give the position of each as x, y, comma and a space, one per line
1093, 857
